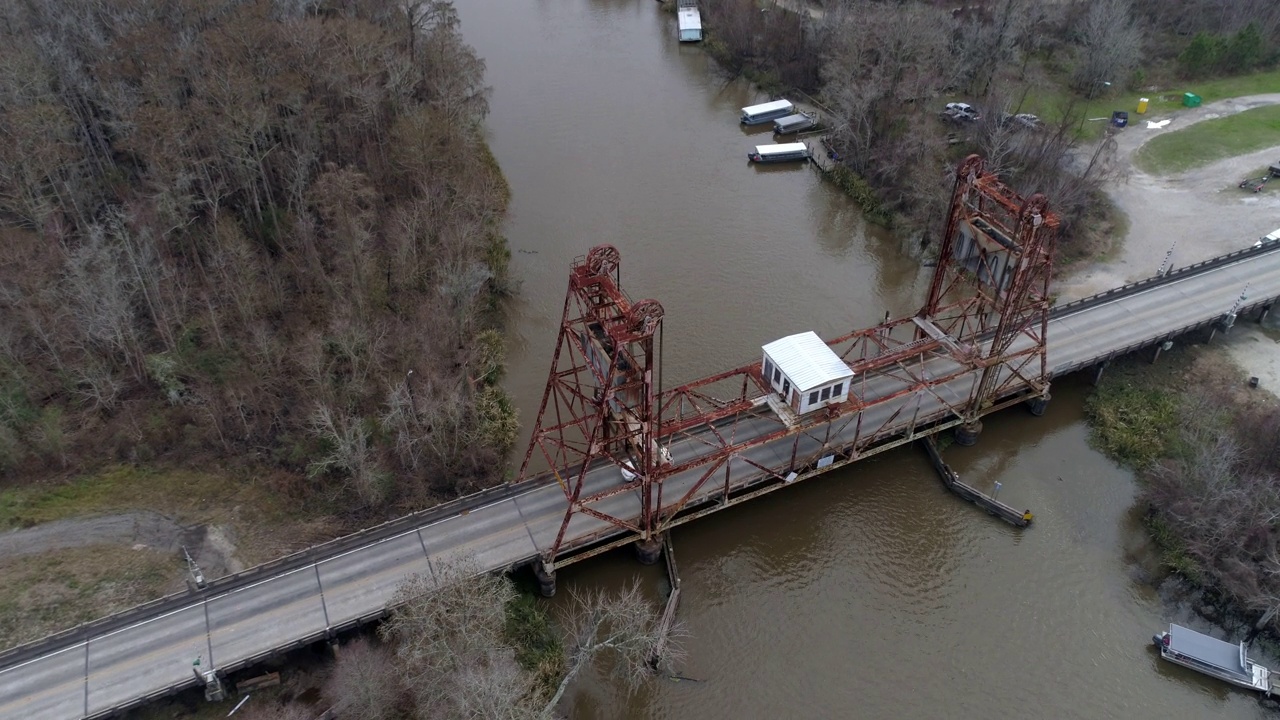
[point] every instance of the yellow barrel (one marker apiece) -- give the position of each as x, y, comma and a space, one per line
1142, 105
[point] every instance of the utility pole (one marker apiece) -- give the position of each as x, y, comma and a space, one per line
1166, 267
197, 576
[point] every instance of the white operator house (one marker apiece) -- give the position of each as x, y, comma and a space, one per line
806, 372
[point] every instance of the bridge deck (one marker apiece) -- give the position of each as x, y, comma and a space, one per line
135, 657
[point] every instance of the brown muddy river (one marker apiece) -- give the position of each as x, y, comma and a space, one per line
868, 593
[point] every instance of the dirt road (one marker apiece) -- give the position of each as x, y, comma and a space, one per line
1201, 210
1199, 213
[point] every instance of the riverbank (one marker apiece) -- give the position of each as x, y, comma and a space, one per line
1201, 441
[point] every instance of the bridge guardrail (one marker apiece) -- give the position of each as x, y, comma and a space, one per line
1131, 347
1158, 280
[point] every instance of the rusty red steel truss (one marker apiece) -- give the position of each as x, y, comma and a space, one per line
607, 429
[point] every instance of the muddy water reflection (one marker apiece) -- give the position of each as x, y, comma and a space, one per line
868, 593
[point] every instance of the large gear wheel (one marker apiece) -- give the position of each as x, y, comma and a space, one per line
603, 260
645, 315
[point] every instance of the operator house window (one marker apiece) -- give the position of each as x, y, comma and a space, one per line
768, 368
826, 394
835, 391
777, 376
813, 398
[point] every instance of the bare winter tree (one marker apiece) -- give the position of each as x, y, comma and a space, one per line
448, 635
1110, 46
624, 626
351, 453
989, 43
448, 632
364, 683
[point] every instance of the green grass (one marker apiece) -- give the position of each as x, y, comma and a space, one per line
1133, 414
1210, 140
51, 591
1050, 100
533, 634
182, 494
1216, 89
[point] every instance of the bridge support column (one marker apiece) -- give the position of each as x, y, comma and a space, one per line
1039, 405
967, 434
546, 579
648, 551
1099, 369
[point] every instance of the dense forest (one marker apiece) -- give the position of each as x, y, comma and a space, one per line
263, 229
884, 69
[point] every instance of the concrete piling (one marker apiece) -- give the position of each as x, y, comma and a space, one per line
967, 434
649, 551
546, 579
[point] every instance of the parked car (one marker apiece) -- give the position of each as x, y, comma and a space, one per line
1020, 121
961, 112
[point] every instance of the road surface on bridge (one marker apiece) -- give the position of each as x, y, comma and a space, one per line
155, 650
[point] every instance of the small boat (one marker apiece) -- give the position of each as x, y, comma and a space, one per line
794, 123
781, 152
1213, 657
764, 112
690, 24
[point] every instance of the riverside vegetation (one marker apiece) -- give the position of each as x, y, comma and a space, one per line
884, 70
252, 229
1204, 449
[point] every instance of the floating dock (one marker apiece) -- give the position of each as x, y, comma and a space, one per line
951, 479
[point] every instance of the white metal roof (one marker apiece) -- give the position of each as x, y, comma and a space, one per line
780, 149
689, 19
774, 106
808, 361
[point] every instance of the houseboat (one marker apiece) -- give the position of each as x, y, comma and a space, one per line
1214, 657
764, 112
782, 152
794, 123
689, 21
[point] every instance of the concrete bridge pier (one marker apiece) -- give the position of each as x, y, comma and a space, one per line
1266, 310
649, 551
546, 579
1039, 405
967, 434
1098, 370
1161, 347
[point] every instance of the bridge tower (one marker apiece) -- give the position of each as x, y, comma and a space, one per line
600, 405
990, 290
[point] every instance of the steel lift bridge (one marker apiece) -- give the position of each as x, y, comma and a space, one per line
634, 459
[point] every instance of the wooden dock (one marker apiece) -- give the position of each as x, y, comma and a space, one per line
951, 479
673, 600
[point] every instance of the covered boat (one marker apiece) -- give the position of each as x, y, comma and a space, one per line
1211, 656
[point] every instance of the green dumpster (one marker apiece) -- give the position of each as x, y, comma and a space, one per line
1190, 100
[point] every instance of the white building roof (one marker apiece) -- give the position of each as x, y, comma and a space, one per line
807, 361
774, 106
781, 149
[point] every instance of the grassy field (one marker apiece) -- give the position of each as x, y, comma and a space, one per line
183, 495
1050, 100
1165, 100
1211, 140
55, 590
265, 522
